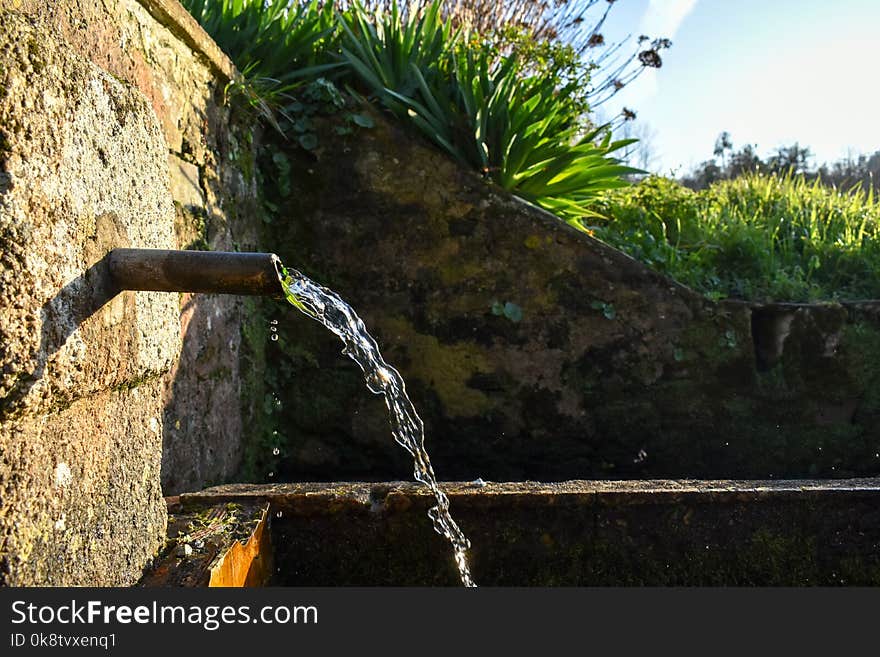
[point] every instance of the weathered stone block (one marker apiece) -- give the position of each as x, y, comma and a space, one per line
155, 47
85, 170
185, 188
81, 503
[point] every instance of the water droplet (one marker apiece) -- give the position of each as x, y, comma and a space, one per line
274, 337
273, 329
274, 321
276, 451
278, 515
271, 474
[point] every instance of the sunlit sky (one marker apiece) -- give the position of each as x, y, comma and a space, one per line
770, 72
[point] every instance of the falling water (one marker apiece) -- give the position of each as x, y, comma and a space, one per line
326, 307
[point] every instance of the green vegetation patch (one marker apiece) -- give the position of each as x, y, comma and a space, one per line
757, 237
522, 123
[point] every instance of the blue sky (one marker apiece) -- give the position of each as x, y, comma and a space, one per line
770, 72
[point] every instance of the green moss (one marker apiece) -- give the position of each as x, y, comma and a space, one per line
860, 344
255, 374
136, 382
191, 227
35, 56
446, 367
783, 557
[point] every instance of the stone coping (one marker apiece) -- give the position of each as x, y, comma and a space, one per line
318, 498
172, 15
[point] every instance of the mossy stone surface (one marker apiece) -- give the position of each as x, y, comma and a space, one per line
603, 368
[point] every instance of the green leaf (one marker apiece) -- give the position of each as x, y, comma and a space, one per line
308, 141
363, 120
513, 312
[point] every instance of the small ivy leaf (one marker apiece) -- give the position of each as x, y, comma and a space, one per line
342, 130
678, 354
302, 125
308, 141
497, 308
513, 312
608, 311
730, 339
363, 120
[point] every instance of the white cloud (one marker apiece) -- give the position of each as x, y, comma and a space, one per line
663, 17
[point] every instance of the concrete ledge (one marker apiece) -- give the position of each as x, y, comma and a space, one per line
588, 533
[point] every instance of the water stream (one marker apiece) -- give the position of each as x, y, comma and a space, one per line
326, 307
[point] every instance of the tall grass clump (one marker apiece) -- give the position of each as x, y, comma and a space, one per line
758, 237
277, 45
277, 40
524, 131
522, 126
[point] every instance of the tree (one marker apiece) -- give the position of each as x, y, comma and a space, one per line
745, 160
851, 171
794, 159
722, 146
846, 173
642, 154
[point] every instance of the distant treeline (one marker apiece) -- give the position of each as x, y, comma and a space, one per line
727, 164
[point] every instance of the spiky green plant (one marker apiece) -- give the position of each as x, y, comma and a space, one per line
390, 50
523, 132
275, 40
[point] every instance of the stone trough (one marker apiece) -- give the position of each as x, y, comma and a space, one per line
586, 533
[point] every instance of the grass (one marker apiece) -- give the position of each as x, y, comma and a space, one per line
757, 237
274, 40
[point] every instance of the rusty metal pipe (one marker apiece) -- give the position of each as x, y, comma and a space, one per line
213, 272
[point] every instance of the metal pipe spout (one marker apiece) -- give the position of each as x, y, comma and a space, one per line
212, 272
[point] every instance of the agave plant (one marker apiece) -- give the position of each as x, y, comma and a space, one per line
520, 131
275, 40
524, 131
391, 51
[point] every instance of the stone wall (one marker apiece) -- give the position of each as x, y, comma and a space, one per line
533, 351
115, 132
